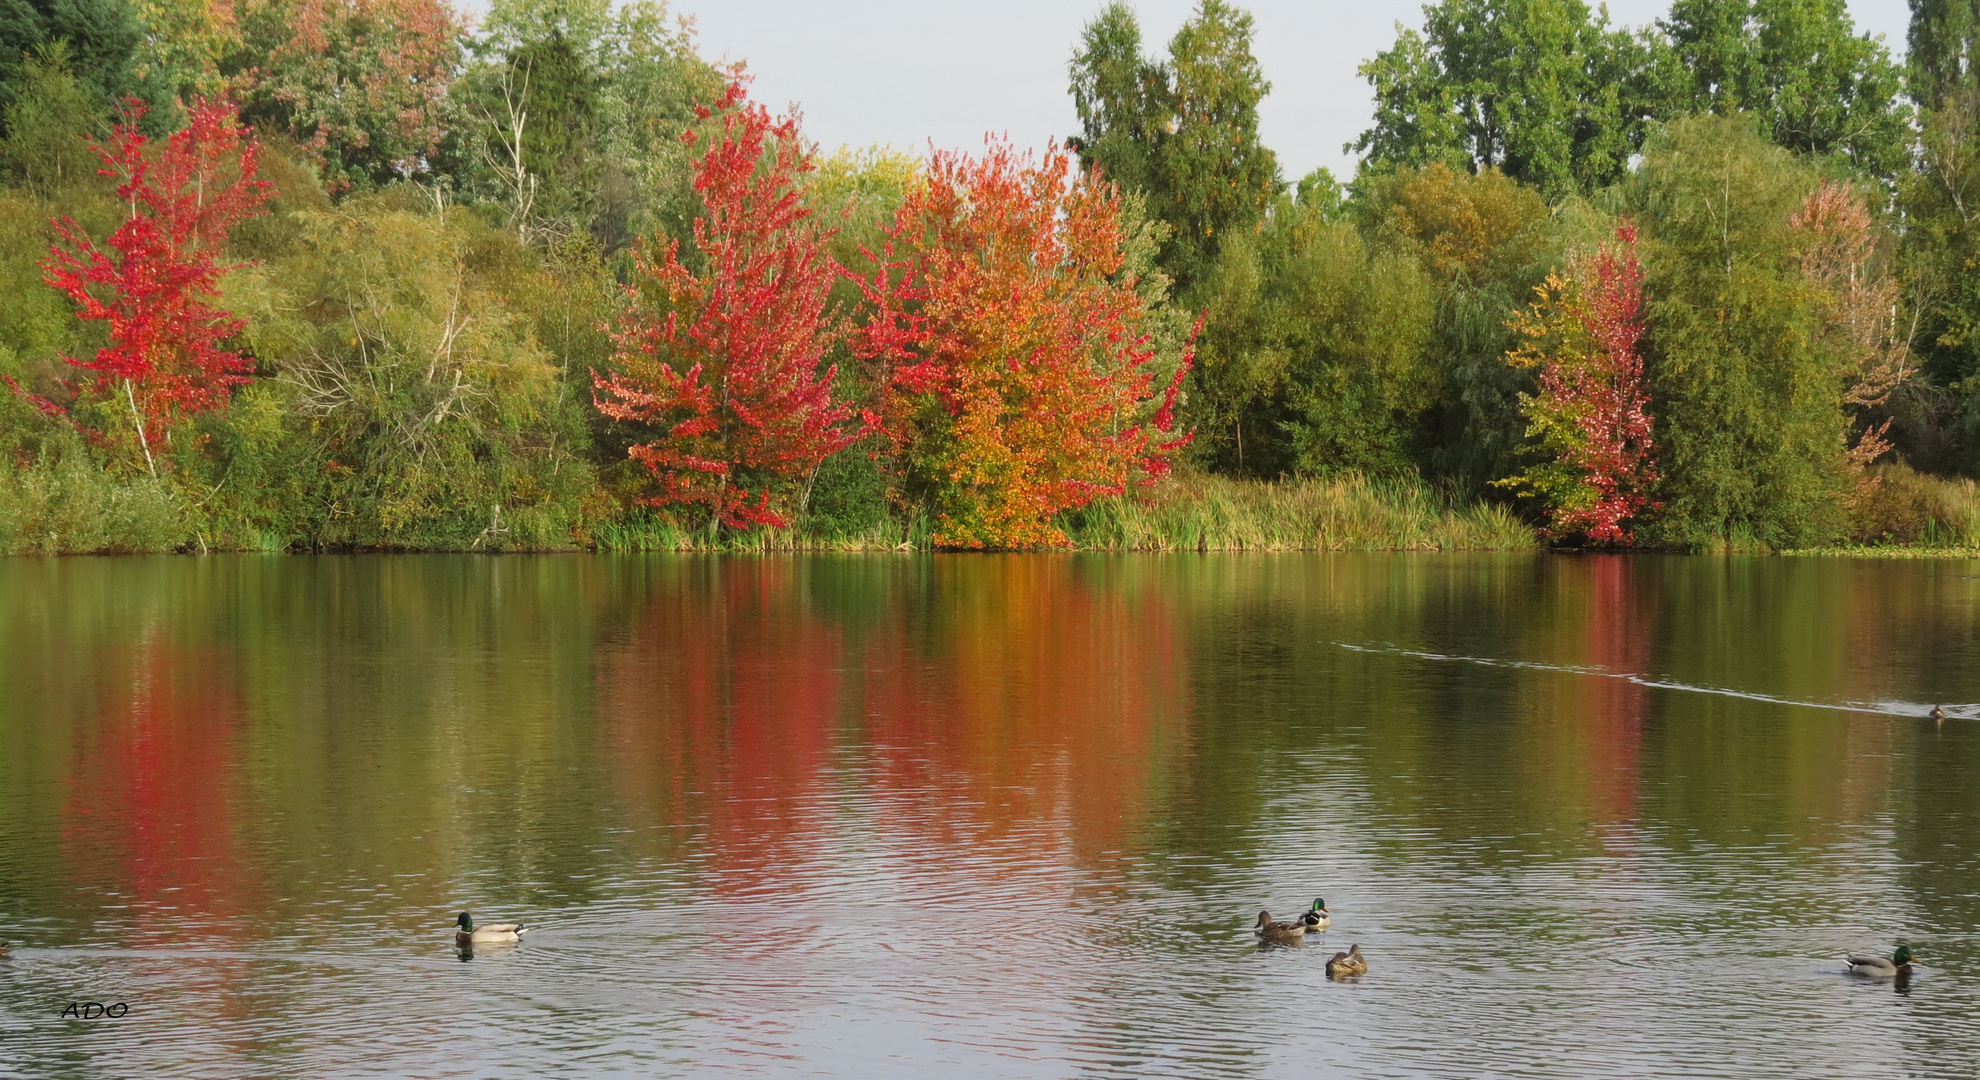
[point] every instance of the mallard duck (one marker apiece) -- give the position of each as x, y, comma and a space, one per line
1285, 933
1316, 917
1351, 962
1938, 713
6, 949
1879, 968
491, 934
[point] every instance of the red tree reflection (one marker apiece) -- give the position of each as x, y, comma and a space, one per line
998, 701
149, 810
1616, 638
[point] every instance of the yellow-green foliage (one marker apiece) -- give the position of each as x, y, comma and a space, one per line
1895, 505
433, 414
62, 503
857, 192
1348, 513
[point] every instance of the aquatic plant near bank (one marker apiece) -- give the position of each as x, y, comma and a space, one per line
1199, 512
726, 364
154, 279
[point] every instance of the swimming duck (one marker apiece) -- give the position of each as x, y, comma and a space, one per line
491, 934
6, 949
1879, 968
1938, 713
1285, 933
1343, 964
1316, 917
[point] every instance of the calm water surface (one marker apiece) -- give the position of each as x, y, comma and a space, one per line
987, 816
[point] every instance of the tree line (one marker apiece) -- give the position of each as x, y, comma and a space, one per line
316, 273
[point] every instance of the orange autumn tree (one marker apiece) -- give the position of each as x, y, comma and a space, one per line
728, 363
1017, 379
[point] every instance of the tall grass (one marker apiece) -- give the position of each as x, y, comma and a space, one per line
1354, 513
62, 504
1901, 511
642, 530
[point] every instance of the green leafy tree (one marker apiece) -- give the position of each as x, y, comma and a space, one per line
1938, 423
1314, 358
1122, 99
1813, 83
185, 43
1484, 241
534, 117
1746, 389
1543, 90
1185, 133
1217, 177
48, 125
570, 118
408, 402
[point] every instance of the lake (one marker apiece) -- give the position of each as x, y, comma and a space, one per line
987, 816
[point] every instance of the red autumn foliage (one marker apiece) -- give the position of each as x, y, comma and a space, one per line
1590, 414
1617, 456
154, 283
1010, 345
730, 367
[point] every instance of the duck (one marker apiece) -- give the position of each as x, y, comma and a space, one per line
1317, 917
1938, 713
6, 949
1343, 964
491, 934
1877, 967
1285, 933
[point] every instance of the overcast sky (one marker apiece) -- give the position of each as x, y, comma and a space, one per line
910, 72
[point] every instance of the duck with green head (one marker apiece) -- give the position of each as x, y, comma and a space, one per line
1317, 916
469, 934
1877, 967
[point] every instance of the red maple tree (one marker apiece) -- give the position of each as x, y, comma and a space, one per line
152, 281
1011, 346
1590, 415
729, 362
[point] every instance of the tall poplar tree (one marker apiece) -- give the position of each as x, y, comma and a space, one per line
1184, 132
1941, 48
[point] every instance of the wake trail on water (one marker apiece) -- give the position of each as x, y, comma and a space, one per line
1880, 708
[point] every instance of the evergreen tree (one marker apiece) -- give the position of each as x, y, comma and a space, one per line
100, 38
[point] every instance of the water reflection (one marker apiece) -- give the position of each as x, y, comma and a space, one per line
993, 815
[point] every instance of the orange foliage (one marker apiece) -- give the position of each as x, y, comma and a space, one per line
1018, 381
